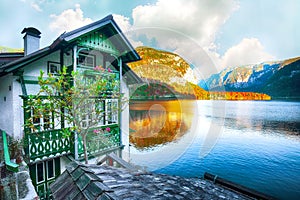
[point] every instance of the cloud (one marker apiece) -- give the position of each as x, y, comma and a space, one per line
123, 22
69, 20
248, 51
193, 18
127, 28
188, 28
36, 7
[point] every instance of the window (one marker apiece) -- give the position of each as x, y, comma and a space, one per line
51, 169
93, 113
112, 111
99, 112
43, 174
86, 60
53, 67
42, 121
46, 119
87, 115
100, 108
40, 172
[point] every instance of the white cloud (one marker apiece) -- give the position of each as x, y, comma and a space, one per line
127, 28
69, 20
36, 7
188, 28
190, 76
123, 22
193, 18
248, 51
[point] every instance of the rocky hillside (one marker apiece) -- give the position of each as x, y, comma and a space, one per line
170, 76
164, 68
278, 79
8, 50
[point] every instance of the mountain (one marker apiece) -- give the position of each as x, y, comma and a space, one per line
9, 50
169, 76
278, 79
166, 74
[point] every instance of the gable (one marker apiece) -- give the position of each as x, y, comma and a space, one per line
99, 41
104, 35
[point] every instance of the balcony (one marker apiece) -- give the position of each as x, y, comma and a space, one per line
48, 140
99, 142
52, 143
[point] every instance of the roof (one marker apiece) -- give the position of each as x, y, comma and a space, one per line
19, 63
129, 76
80, 181
7, 57
107, 24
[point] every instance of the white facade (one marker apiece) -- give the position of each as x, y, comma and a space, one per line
12, 115
11, 118
125, 121
6, 104
47, 150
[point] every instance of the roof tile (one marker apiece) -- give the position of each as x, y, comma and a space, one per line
110, 183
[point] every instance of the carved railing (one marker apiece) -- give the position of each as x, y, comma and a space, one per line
99, 141
47, 144
42, 145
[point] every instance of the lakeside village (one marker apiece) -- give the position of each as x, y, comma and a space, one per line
56, 121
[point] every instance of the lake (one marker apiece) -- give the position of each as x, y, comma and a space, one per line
252, 143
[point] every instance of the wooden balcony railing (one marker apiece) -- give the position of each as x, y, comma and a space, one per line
97, 142
52, 143
45, 144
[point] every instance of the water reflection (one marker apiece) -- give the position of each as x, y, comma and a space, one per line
259, 142
154, 123
264, 126
266, 117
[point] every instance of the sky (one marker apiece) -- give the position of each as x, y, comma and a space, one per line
211, 34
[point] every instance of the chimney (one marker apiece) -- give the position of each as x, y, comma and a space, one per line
31, 40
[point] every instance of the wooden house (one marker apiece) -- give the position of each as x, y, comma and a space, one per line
101, 43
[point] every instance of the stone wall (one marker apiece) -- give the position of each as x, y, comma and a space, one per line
8, 188
15, 186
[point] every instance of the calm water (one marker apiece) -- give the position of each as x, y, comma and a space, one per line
253, 143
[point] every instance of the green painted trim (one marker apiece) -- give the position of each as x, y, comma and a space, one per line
98, 40
31, 82
24, 91
96, 143
9, 165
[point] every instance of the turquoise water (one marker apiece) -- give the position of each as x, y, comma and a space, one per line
253, 143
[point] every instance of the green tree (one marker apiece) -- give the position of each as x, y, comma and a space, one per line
75, 101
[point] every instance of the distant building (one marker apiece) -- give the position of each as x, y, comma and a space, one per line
100, 43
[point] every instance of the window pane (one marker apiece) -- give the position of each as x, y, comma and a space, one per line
86, 60
46, 119
53, 69
36, 118
40, 172
50, 168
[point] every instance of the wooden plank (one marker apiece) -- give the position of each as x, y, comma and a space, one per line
237, 187
118, 160
9, 165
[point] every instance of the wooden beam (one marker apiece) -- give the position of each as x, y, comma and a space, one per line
118, 160
9, 165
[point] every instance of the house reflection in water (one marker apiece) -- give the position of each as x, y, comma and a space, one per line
156, 123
